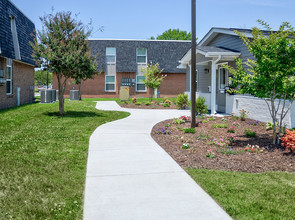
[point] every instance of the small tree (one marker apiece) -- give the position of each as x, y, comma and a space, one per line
272, 75
153, 77
61, 47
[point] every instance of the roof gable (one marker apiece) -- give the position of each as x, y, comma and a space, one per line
24, 28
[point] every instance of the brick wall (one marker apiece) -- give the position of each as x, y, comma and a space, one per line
23, 77
172, 85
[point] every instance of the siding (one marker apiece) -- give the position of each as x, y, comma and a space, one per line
233, 43
204, 79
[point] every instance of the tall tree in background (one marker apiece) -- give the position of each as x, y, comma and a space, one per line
41, 78
174, 34
61, 48
271, 76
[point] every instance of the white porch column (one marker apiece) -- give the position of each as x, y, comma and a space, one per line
213, 87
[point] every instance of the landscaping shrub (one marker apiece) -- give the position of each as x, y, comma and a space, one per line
231, 129
250, 133
210, 154
138, 103
243, 115
269, 126
288, 140
178, 121
219, 125
201, 108
163, 130
185, 146
185, 118
148, 103
166, 105
189, 130
253, 122
134, 99
211, 119
182, 101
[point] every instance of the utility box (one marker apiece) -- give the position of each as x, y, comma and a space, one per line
46, 96
124, 93
74, 95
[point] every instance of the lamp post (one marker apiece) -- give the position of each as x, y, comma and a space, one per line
193, 66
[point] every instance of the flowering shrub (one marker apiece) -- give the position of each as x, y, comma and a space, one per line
231, 138
243, 114
178, 121
253, 149
210, 154
253, 122
221, 142
185, 146
236, 124
185, 118
231, 129
163, 130
288, 140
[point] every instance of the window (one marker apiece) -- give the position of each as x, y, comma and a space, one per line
222, 78
140, 86
111, 55
141, 55
110, 77
110, 83
9, 79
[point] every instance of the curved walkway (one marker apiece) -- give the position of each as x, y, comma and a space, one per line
129, 176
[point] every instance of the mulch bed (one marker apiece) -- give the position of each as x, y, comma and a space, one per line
236, 157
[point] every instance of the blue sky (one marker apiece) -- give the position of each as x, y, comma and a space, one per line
138, 19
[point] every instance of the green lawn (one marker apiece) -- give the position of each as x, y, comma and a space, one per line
43, 159
268, 195
142, 100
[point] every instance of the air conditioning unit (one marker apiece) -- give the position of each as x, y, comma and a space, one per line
2, 81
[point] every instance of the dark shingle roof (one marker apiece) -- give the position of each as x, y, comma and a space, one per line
166, 53
24, 26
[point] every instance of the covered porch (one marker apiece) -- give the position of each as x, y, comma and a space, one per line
211, 78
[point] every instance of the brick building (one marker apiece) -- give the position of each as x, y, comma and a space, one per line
16, 63
122, 60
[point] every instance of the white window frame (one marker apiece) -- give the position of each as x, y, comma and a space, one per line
9, 80
111, 55
105, 84
226, 79
139, 84
141, 55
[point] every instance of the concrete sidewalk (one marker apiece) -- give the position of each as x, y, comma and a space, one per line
129, 176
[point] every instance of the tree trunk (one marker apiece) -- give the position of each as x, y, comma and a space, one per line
156, 93
61, 104
61, 87
80, 92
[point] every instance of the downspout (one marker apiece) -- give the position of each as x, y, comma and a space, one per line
213, 85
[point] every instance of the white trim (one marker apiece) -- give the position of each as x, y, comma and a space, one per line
105, 83
226, 78
111, 55
9, 80
140, 84
213, 33
141, 55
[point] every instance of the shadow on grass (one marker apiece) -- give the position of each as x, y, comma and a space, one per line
74, 114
